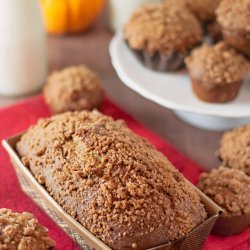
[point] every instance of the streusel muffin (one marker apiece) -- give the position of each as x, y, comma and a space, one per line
203, 9
23, 232
214, 32
234, 19
163, 35
230, 189
235, 149
217, 72
73, 88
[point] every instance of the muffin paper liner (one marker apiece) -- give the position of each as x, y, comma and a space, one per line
226, 226
217, 94
163, 63
194, 240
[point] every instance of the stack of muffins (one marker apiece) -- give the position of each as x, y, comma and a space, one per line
229, 185
170, 34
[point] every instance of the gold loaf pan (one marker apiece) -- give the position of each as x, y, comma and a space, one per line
194, 240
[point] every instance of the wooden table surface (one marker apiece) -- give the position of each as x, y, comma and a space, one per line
91, 49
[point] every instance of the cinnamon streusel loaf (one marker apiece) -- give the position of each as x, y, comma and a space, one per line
115, 183
22, 231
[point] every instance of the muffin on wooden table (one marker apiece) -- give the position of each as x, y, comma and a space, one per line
162, 35
23, 232
217, 72
73, 88
230, 189
234, 19
235, 149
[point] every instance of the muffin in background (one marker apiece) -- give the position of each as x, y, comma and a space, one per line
163, 35
230, 189
203, 9
217, 72
73, 88
214, 32
235, 149
234, 19
23, 232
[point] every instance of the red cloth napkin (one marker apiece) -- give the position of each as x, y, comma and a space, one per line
18, 118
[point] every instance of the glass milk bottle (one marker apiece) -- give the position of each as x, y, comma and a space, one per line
121, 10
23, 62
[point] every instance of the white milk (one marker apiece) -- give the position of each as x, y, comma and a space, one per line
121, 10
23, 61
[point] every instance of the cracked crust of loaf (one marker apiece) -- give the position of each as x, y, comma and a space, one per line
235, 149
22, 231
234, 15
115, 183
229, 188
73, 89
217, 65
162, 28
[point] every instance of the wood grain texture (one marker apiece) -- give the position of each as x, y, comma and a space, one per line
91, 48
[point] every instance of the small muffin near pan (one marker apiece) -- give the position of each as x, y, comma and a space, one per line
235, 149
217, 72
23, 232
73, 88
234, 18
230, 189
162, 35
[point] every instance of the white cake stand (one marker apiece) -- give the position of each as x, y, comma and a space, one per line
173, 91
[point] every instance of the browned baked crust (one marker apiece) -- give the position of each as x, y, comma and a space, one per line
235, 149
234, 18
216, 94
203, 9
234, 15
162, 28
214, 32
73, 88
113, 182
229, 188
217, 65
216, 72
22, 231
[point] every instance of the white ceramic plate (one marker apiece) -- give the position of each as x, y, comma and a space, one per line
173, 91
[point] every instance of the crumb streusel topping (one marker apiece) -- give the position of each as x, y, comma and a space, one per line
115, 183
218, 64
229, 188
203, 9
22, 231
234, 15
235, 149
73, 88
162, 28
